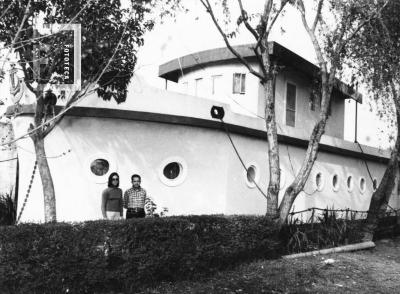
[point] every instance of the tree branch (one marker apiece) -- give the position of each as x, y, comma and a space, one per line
57, 119
22, 62
16, 37
63, 26
363, 23
5, 11
246, 23
264, 23
234, 52
260, 61
318, 15
314, 40
283, 3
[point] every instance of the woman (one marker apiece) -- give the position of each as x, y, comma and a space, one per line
111, 204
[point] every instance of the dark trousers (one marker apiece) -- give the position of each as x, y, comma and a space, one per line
135, 213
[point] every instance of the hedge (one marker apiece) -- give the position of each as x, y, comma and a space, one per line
122, 256
125, 256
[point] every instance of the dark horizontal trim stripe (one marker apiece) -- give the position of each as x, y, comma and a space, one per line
203, 123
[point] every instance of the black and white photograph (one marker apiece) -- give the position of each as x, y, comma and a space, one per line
199, 146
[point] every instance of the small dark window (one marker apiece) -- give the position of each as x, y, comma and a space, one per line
362, 184
290, 105
350, 183
335, 183
99, 167
251, 174
172, 170
239, 83
312, 101
198, 86
374, 184
318, 181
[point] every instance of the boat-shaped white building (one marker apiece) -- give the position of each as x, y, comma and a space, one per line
185, 157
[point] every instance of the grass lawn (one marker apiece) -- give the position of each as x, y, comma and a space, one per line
369, 271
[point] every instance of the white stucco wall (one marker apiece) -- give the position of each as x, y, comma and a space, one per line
246, 104
252, 103
215, 182
328, 165
305, 117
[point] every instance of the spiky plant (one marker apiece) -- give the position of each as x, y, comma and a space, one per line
7, 210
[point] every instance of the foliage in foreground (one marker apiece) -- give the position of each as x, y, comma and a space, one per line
125, 256
325, 230
7, 210
120, 256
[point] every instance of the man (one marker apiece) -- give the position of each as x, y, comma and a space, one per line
135, 199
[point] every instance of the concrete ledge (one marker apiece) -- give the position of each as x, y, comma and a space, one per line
346, 248
236, 123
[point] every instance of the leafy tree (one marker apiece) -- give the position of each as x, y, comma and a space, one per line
375, 59
330, 41
111, 35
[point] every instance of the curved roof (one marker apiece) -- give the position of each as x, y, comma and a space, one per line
172, 70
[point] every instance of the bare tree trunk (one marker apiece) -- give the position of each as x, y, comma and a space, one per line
50, 214
273, 150
301, 178
327, 82
37, 137
291, 192
380, 198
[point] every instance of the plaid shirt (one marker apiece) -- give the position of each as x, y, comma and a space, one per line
135, 198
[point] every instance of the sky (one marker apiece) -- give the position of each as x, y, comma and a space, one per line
194, 31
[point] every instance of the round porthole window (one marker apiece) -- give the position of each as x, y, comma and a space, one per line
349, 183
172, 171
362, 185
252, 175
375, 184
100, 167
319, 181
335, 183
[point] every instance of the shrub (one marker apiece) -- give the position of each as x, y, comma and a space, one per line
388, 227
7, 210
123, 256
104, 256
328, 230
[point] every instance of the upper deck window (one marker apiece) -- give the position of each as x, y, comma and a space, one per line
216, 84
290, 104
198, 87
239, 83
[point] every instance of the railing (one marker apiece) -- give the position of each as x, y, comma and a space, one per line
314, 214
